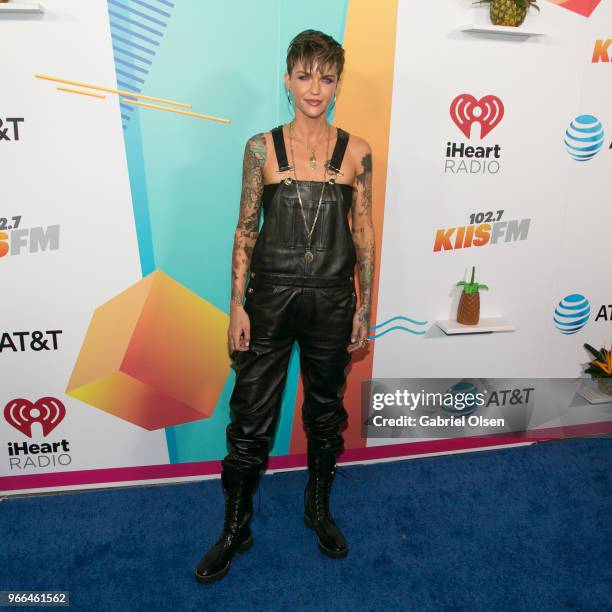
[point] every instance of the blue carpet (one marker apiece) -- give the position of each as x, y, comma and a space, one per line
528, 528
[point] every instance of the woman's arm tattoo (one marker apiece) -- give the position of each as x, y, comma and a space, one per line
364, 238
247, 228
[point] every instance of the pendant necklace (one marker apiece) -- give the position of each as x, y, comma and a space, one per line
308, 254
313, 158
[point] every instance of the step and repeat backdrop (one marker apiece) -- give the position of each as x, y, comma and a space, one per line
122, 130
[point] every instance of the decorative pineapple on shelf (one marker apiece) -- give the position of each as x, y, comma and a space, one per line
468, 312
509, 12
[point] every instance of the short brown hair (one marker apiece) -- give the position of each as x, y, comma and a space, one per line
313, 46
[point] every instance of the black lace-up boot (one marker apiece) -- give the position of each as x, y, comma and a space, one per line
322, 467
236, 536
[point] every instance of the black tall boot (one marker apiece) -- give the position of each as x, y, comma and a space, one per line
322, 467
236, 537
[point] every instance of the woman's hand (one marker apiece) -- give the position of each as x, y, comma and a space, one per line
359, 335
239, 331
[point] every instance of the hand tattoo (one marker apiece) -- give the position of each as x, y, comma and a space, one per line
247, 228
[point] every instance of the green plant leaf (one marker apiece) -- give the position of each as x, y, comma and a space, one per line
593, 351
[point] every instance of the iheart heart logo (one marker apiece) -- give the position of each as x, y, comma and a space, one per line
466, 109
22, 413
582, 7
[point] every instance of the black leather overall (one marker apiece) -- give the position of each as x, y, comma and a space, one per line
290, 299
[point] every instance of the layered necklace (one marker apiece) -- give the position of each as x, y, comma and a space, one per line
308, 254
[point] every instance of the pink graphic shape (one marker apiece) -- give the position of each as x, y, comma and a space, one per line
582, 7
465, 110
18, 413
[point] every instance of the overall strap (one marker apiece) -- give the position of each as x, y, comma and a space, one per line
338, 155
279, 149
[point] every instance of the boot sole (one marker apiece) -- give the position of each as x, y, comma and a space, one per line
221, 573
334, 554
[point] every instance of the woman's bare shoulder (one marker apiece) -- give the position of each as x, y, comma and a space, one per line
260, 143
257, 147
358, 145
359, 152
259, 139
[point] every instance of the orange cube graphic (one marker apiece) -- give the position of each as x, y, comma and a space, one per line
155, 355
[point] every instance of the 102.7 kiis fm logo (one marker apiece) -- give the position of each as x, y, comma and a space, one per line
15, 240
484, 228
467, 112
46, 412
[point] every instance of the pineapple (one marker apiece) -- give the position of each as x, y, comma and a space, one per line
468, 312
509, 12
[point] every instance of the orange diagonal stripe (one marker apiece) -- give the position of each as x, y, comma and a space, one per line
174, 110
110, 90
83, 93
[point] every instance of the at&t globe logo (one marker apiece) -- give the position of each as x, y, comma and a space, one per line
464, 393
572, 313
584, 137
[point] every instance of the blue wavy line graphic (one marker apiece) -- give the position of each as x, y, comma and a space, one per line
398, 327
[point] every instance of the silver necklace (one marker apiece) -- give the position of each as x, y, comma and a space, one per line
308, 254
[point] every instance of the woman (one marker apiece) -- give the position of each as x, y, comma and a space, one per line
307, 176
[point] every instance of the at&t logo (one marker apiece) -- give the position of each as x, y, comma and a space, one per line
584, 137
572, 313
9, 128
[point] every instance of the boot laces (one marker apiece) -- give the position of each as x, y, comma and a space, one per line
322, 489
321, 497
237, 499
234, 503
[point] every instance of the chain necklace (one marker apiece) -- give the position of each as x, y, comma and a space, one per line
308, 254
313, 158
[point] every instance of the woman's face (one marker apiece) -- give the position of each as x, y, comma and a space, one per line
312, 92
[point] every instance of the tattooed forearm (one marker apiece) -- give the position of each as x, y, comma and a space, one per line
363, 238
247, 228
364, 178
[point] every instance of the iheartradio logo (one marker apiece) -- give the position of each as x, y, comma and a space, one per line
465, 110
22, 413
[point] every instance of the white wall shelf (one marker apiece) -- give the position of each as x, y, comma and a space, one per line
594, 395
496, 29
485, 325
21, 7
